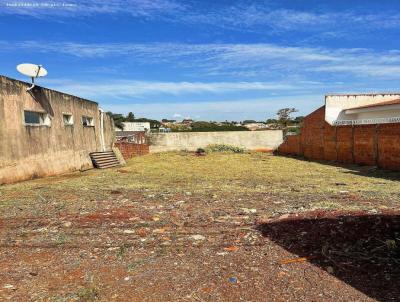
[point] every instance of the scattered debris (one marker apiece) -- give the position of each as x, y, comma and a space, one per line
198, 237
200, 152
9, 286
249, 211
294, 260
129, 231
67, 224
231, 248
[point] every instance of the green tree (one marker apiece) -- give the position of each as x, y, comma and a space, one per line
130, 117
271, 121
284, 116
249, 122
298, 119
118, 119
202, 126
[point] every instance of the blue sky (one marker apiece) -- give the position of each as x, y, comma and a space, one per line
208, 60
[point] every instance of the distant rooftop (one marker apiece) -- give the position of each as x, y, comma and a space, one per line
385, 103
362, 94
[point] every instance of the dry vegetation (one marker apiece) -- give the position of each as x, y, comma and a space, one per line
180, 227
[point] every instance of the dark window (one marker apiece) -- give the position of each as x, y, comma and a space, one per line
32, 117
87, 121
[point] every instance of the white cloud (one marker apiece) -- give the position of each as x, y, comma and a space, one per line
254, 16
125, 89
238, 15
239, 60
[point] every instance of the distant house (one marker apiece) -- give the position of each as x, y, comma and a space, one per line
133, 132
362, 109
137, 137
187, 121
46, 132
164, 129
255, 126
135, 126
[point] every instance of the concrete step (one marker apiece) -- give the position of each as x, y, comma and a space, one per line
103, 156
103, 160
109, 166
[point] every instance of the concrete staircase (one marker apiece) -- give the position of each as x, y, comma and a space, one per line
103, 160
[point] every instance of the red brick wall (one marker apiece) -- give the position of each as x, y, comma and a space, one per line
312, 135
291, 145
389, 146
363, 144
129, 150
344, 144
330, 149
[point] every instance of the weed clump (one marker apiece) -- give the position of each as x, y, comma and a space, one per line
88, 294
223, 148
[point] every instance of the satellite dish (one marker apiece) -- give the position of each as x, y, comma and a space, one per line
33, 71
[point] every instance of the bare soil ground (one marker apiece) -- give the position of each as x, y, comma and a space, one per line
220, 227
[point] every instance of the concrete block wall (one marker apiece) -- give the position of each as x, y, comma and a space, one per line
375, 145
251, 140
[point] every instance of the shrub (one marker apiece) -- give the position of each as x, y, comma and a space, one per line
211, 127
293, 131
223, 148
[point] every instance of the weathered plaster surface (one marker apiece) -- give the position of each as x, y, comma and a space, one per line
268, 139
36, 151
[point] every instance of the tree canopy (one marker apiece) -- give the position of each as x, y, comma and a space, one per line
130, 117
284, 116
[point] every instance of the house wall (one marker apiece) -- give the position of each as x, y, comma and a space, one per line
335, 104
135, 126
377, 144
268, 139
377, 114
34, 151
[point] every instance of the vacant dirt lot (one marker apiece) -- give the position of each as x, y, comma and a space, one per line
220, 227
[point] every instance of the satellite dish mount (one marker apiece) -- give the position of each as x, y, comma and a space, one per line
33, 71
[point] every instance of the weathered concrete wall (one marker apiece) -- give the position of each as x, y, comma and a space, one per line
109, 131
377, 145
28, 151
268, 139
